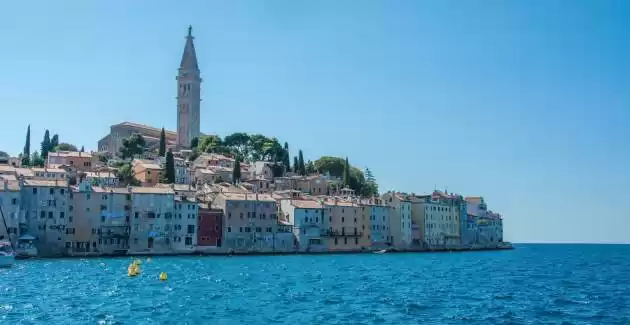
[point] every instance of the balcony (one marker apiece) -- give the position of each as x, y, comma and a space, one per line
337, 233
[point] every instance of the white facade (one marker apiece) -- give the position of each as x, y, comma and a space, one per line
10, 202
188, 95
106, 179
380, 229
441, 228
309, 222
152, 211
184, 225
405, 222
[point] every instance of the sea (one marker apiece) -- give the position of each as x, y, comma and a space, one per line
532, 284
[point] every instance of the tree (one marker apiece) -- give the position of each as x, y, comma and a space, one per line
310, 168
169, 173
95, 182
296, 165
194, 143
126, 176
238, 143
54, 141
37, 160
301, 166
26, 155
371, 187
286, 159
133, 145
333, 165
82, 149
162, 151
65, 147
336, 167
212, 144
236, 173
45, 147
346, 173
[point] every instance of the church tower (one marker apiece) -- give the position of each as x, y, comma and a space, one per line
188, 95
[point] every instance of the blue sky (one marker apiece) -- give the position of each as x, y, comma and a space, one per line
523, 102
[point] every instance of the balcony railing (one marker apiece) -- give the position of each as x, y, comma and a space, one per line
337, 233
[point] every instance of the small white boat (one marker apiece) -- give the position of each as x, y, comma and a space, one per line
7, 255
25, 247
382, 251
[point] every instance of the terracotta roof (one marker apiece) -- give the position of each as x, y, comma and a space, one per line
247, 196
151, 190
146, 127
8, 177
48, 170
149, 166
12, 186
306, 204
7, 169
26, 172
45, 183
75, 154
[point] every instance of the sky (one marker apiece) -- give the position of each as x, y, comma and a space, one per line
525, 103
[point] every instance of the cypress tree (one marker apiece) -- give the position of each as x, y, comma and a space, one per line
236, 172
170, 168
82, 149
54, 142
296, 166
45, 147
346, 173
162, 143
287, 159
26, 155
301, 166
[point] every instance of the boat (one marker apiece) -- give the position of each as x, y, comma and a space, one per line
7, 255
382, 251
25, 247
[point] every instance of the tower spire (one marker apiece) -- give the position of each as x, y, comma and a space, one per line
189, 57
188, 95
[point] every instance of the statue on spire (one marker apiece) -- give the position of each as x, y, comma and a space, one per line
189, 30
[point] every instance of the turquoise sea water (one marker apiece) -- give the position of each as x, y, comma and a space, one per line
533, 284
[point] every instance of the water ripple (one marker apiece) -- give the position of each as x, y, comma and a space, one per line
534, 284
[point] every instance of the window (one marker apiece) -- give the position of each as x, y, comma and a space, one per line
258, 229
34, 190
50, 215
52, 191
191, 229
61, 215
188, 241
229, 229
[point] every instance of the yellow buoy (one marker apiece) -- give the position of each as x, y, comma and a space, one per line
133, 270
163, 276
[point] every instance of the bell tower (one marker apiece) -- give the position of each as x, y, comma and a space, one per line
188, 95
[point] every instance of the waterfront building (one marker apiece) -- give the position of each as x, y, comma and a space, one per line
104, 179
441, 213
400, 219
10, 201
46, 204
184, 225
347, 229
152, 211
250, 220
210, 227
309, 220
485, 228
76, 160
380, 217
49, 173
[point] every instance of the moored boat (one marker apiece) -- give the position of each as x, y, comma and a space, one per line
25, 247
7, 255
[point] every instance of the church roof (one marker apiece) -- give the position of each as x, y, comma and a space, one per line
189, 58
